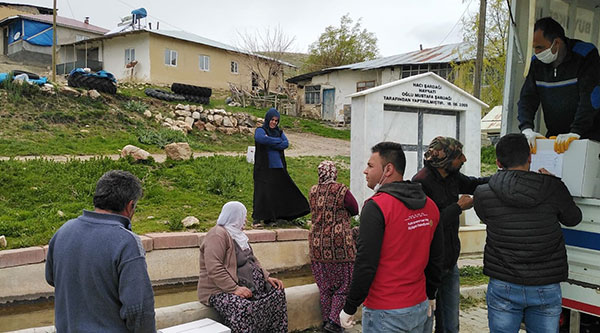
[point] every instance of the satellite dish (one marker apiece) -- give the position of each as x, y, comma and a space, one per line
17, 35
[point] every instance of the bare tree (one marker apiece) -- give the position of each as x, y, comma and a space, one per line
264, 52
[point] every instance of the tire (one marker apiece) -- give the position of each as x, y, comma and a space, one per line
32, 76
163, 95
188, 89
100, 84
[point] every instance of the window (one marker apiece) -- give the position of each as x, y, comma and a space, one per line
363, 85
234, 67
312, 95
129, 55
170, 57
204, 63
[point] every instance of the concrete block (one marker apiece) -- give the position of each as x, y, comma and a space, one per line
27, 282
46, 247
173, 265
147, 243
184, 313
257, 236
173, 240
291, 234
472, 239
477, 292
201, 236
280, 256
18, 257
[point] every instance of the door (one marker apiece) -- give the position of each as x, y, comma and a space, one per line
328, 104
5, 41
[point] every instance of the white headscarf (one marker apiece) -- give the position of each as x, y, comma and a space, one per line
233, 218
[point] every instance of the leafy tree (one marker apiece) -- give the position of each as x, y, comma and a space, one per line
494, 58
346, 44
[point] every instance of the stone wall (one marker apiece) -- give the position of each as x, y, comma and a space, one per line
186, 118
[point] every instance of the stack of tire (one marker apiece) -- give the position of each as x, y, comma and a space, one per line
182, 92
101, 81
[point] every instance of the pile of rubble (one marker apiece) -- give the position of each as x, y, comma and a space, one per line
185, 118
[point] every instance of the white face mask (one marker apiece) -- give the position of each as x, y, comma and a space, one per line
547, 56
381, 180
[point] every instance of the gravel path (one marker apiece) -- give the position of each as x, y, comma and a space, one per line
301, 144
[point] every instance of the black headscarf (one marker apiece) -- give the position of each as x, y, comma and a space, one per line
272, 132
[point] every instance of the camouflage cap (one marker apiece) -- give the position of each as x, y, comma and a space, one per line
442, 151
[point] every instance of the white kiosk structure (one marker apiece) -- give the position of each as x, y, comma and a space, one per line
412, 112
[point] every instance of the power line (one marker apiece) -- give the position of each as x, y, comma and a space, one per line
70, 9
455, 24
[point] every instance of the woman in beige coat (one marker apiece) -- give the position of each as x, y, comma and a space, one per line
232, 280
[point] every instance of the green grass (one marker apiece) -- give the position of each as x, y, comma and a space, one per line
37, 197
34, 123
472, 276
470, 302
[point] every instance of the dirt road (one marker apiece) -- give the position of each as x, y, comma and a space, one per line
301, 144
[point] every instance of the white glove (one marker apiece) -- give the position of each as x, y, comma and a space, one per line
431, 308
346, 320
563, 141
531, 137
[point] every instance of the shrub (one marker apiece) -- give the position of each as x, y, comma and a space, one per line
488, 155
135, 106
161, 137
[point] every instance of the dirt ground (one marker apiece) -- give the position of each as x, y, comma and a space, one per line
301, 144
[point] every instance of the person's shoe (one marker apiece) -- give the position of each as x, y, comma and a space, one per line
256, 224
332, 327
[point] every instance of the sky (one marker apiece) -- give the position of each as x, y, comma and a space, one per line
399, 25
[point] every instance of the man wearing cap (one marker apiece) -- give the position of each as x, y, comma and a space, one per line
442, 181
565, 78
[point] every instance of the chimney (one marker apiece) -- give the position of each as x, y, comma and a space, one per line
87, 20
421, 47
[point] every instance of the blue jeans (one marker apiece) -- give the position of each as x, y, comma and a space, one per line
406, 320
509, 303
447, 304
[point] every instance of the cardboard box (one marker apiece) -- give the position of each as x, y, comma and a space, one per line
198, 326
578, 167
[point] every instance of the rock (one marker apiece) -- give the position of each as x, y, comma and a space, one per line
147, 114
227, 122
218, 119
93, 94
189, 121
246, 130
165, 124
204, 117
210, 127
199, 108
210, 118
181, 118
48, 88
179, 123
178, 151
83, 131
60, 213
253, 118
190, 221
234, 121
3, 242
135, 152
228, 130
186, 107
171, 114
169, 120
69, 91
179, 107
193, 108
183, 113
199, 125
178, 129
228, 100
196, 115
158, 117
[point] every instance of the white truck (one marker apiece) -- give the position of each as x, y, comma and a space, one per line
581, 167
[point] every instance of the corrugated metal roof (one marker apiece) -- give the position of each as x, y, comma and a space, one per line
441, 54
67, 22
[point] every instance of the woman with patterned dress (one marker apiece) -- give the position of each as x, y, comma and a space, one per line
331, 242
276, 196
233, 282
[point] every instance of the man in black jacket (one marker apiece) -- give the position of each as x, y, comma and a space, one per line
442, 181
525, 255
565, 77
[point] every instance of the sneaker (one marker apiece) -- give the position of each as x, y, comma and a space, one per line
332, 327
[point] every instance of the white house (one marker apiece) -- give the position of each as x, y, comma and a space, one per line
324, 94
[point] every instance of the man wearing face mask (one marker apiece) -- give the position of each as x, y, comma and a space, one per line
443, 182
565, 78
399, 252
97, 265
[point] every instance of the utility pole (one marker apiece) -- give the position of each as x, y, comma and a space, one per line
54, 42
480, 46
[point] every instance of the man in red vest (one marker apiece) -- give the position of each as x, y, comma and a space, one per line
399, 255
